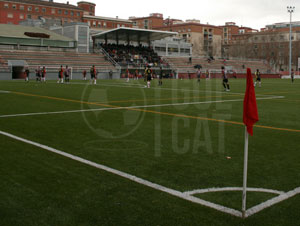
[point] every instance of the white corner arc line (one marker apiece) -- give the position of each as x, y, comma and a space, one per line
133, 107
202, 191
272, 202
130, 177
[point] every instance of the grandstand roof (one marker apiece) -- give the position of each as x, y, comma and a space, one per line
17, 31
134, 34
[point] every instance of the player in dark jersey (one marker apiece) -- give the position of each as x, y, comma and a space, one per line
67, 74
93, 73
160, 76
38, 74
258, 78
148, 75
225, 80
292, 75
199, 74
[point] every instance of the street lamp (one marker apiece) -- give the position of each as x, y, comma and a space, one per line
290, 10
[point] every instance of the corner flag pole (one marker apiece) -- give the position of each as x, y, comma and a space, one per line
250, 117
245, 173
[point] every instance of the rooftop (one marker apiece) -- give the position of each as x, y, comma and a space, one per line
46, 3
17, 31
134, 34
107, 18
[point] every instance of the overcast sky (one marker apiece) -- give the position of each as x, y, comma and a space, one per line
251, 13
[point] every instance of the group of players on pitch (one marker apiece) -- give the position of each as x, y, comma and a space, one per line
65, 73
148, 77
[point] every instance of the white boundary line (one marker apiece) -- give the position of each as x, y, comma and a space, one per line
133, 107
182, 195
170, 89
130, 177
202, 191
3, 91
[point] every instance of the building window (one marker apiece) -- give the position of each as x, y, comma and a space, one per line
28, 16
6, 6
53, 11
99, 24
94, 23
89, 23
21, 7
118, 25
59, 11
189, 30
146, 23
91, 8
123, 25
44, 10
66, 12
72, 13
14, 6
37, 9
29, 8
78, 13
10, 15
21, 16
104, 24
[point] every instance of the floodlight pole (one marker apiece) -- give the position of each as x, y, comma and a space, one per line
290, 10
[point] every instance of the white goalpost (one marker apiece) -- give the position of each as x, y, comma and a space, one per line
56, 69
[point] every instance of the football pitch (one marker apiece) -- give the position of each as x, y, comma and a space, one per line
118, 153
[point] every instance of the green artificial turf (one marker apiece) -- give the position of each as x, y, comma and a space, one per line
180, 146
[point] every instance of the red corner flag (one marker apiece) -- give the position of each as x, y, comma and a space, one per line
250, 108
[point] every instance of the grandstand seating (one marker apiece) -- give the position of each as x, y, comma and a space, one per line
183, 65
78, 61
134, 56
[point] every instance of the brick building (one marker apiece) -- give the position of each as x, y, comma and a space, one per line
15, 11
105, 23
270, 44
151, 22
88, 7
205, 39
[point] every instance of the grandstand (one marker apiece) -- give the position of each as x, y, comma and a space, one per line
77, 61
134, 56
